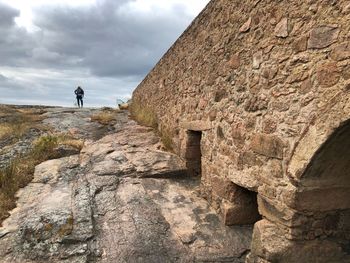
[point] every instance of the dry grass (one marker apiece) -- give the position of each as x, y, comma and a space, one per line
72, 142
5, 130
147, 117
21, 170
16, 122
166, 138
106, 116
143, 115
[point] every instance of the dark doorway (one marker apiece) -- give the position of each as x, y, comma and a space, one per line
193, 153
242, 208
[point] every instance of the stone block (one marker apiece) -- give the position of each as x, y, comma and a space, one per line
268, 145
234, 62
212, 115
270, 243
274, 168
274, 212
281, 29
220, 94
222, 187
246, 26
238, 133
269, 72
300, 44
269, 125
328, 75
323, 36
321, 199
306, 86
341, 51
257, 59
248, 159
202, 103
255, 103
196, 125
346, 72
220, 133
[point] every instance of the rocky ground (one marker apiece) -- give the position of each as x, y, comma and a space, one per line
122, 199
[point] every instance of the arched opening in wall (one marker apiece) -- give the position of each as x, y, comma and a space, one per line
324, 187
193, 153
325, 183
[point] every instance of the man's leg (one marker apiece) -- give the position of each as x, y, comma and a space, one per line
81, 102
78, 102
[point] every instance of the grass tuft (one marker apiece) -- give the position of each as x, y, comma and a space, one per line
16, 122
166, 138
143, 115
106, 116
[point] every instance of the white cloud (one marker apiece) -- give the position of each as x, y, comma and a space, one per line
25, 19
26, 8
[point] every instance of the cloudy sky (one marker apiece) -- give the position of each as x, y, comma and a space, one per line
47, 48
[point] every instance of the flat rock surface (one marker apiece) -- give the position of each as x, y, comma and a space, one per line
121, 199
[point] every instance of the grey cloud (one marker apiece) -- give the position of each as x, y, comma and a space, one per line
2, 78
109, 39
106, 39
7, 15
107, 48
15, 43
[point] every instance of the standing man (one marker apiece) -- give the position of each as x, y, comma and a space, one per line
79, 92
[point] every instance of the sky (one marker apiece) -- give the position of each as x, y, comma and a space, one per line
48, 48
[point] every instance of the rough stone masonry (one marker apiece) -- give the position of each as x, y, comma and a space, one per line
256, 94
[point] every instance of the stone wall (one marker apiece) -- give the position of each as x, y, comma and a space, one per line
267, 83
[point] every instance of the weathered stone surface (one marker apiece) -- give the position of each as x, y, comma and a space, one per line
235, 214
281, 29
334, 198
341, 51
257, 59
300, 44
197, 125
212, 115
269, 125
120, 200
328, 75
238, 135
270, 245
256, 103
246, 26
288, 95
248, 159
269, 71
323, 36
267, 145
306, 86
234, 62
220, 94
